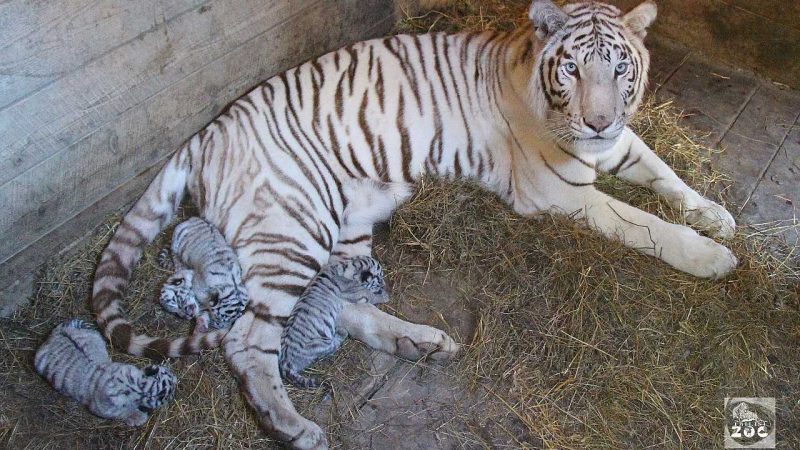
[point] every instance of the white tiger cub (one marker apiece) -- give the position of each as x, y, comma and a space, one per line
531, 115
207, 283
74, 359
311, 331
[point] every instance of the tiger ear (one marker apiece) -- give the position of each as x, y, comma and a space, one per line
365, 276
546, 18
639, 18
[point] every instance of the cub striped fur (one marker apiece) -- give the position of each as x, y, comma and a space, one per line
207, 283
74, 359
311, 331
298, 170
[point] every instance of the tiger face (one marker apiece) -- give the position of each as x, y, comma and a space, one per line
226, 304
591, 74
156, 387
362, 280
178, 297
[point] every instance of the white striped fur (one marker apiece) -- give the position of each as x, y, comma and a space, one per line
207, 283
75, 361
296, 172
312, 331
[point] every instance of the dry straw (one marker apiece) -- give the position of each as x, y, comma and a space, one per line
572, 341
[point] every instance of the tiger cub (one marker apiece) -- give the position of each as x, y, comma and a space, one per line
74, 359
207, 283
311, 332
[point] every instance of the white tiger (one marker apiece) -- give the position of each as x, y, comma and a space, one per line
74, 359
287, 173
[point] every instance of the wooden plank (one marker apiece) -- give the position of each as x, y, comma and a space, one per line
58, 188
73, 232
40, 41
754, 137
742, 160
73, 107
712, 96
666, 56
777, 196
759, 35
784, 12
769, 115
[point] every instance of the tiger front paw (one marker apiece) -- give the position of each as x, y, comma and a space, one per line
306, 435
427, 342
711, 217
699, 255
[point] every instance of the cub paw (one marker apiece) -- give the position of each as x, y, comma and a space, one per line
135, 419
164, 259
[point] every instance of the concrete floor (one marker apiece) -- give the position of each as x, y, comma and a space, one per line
756, 124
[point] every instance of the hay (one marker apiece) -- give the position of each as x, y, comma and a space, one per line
574, 341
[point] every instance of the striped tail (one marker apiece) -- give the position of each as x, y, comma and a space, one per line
299, 380
151, 213
291, 374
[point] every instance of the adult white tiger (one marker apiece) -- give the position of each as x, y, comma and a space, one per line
298, 170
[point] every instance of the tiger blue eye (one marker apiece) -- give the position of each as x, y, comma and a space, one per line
570, 68
621, 68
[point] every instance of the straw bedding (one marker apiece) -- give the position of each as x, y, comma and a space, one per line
571, 340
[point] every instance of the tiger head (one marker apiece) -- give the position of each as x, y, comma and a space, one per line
361, 280
177, 295
156, 387
591, 72
226, 303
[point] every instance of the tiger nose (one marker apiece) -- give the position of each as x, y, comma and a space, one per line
598, 123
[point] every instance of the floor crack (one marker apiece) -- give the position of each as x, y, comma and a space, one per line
763, 172
378, 386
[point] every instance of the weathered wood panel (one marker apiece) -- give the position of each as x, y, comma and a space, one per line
40, 42
131, 106
70, 233
753, 140
695, 82
67, 110
776, 200
761, 35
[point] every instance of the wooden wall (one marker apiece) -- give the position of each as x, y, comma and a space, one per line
95, 95
760, 35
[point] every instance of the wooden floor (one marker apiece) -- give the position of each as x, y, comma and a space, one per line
756, 124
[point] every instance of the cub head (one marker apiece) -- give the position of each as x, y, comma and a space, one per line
590, 75
178, 297
157, 386
363, 280
226, 304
